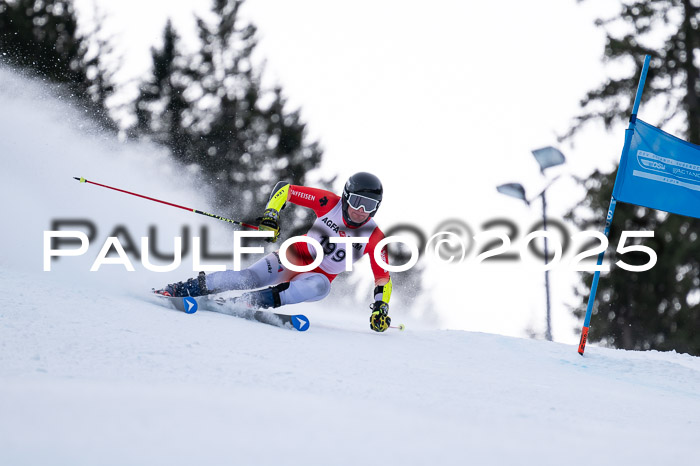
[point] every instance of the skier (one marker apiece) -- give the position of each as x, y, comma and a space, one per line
349, 215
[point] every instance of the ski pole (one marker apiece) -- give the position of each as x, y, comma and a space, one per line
401, 327
218, 217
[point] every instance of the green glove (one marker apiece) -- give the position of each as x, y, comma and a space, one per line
379, 321
269, 222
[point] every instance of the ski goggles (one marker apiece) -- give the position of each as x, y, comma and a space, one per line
367, 204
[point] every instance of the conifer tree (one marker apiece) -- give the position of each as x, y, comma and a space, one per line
668, 32
246, 140
161, 105
212, 111
41, 37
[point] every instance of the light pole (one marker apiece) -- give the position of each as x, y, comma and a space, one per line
546, 157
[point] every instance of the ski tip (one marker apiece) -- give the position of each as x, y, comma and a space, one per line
300, 322
190, 305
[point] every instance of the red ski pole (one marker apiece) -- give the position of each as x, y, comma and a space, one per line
218, 217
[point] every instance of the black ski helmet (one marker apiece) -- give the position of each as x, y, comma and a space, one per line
362, 190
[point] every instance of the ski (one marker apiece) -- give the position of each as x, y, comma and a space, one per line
229, 306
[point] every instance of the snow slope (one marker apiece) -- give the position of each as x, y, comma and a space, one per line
91, 372
88, 377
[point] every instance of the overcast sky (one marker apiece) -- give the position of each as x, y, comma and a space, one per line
443, 101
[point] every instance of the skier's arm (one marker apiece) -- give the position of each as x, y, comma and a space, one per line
383, 292
270, 218
382, 279
278, 197
379, 321
319, 200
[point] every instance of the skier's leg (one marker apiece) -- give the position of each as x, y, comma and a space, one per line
304, 287
265, 272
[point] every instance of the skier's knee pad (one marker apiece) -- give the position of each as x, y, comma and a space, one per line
318, 286
303, 288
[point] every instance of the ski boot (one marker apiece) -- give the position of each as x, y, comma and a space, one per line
193, 287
